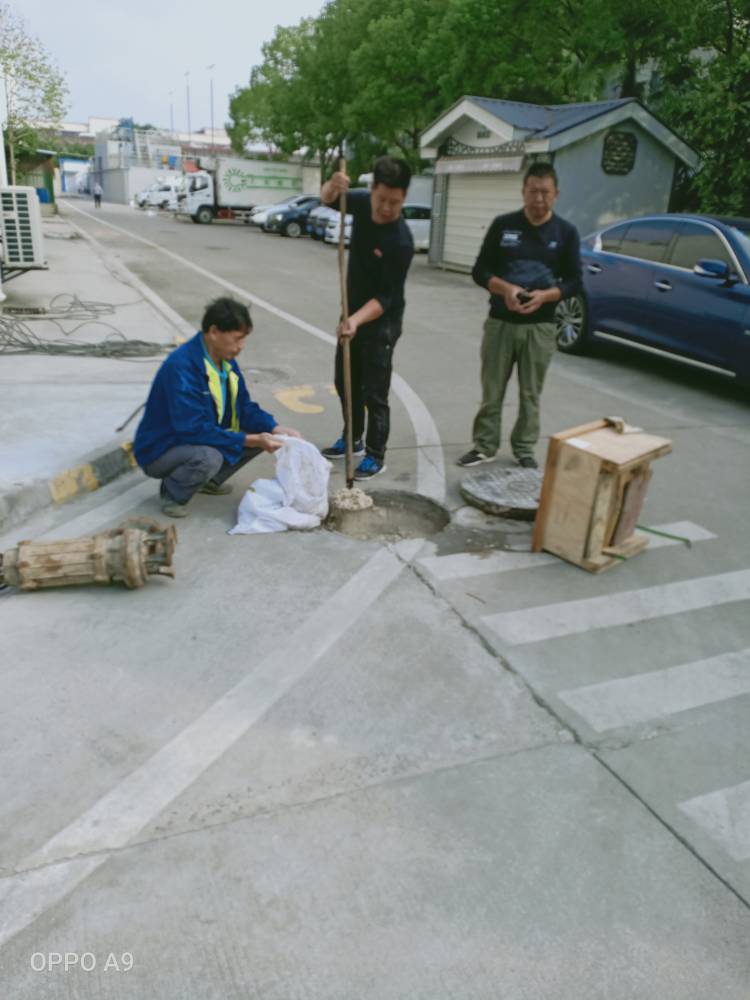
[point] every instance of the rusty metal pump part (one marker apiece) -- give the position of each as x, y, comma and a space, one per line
129, 554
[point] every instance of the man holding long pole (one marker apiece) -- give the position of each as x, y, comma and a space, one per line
380, 254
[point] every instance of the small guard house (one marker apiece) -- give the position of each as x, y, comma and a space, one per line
614, 159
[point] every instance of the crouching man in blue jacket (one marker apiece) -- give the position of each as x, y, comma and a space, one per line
200, 425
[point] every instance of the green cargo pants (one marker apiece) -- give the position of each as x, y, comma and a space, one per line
530, 347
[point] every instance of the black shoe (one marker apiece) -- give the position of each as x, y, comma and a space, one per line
527, 461
474, 457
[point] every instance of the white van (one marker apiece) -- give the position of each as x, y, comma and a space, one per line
164, 193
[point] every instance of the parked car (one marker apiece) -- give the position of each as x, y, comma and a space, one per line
416, 216
161, 194
260, 212
318, 219
141, 197
672, 285
290, 221
259, 215
332, 229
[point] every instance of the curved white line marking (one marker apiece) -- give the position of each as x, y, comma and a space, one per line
430, 461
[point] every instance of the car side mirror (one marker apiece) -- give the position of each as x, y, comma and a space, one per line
717, 269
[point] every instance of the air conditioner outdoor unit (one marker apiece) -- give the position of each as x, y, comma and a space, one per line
23, 241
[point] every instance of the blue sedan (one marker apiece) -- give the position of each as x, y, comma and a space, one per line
290, 221
673, 285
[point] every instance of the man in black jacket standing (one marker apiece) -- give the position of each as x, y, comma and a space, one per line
380, 253
529, 261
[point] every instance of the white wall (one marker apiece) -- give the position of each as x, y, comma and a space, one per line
591, 199
310, 180
466, 131
114, 185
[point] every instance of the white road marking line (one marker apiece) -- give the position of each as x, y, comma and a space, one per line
725, 817
127, 277
643, 697
430, 461
124, 812
482, 563
551, 621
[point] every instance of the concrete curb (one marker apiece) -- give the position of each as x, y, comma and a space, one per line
101, 468
109, 462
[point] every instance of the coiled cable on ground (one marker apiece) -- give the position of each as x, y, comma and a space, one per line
17, 337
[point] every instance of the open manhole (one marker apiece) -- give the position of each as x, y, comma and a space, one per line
395, 515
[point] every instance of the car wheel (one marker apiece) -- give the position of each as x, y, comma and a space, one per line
570, 321
293, 229
204, 215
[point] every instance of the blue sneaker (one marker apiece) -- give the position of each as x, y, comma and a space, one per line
368, 468
338, 449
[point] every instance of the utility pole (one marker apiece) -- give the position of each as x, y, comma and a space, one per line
187, 89
171, 113
211, 87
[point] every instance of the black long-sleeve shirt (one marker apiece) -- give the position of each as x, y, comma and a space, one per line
532, 257
379, 257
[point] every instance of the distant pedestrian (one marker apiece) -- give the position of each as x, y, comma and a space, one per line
98, 192
529, 261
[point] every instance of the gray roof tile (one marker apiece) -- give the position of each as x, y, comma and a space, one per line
545, 120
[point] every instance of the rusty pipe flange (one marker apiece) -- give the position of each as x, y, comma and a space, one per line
159, 544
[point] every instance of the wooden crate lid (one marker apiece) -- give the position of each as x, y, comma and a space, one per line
613, 441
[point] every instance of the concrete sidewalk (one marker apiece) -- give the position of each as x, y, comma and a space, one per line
58, 434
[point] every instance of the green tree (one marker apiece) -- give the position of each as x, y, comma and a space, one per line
705, 97
293, 94
394, 93
34, 87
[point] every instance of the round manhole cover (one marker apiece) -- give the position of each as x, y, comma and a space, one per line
395, 515
509, 492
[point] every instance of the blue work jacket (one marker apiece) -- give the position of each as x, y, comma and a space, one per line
180, 409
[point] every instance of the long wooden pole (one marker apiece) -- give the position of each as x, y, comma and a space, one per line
346, 342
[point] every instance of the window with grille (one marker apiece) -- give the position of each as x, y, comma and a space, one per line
618, 153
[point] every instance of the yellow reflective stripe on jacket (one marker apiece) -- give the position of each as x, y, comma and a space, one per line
214, 385
234, 387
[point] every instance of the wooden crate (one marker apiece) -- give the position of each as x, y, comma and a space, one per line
595, 482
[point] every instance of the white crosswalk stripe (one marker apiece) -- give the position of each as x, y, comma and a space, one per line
724, 814
631, 700
465, 564
615, 703
553, 621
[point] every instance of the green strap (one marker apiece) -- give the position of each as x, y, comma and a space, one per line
665, 534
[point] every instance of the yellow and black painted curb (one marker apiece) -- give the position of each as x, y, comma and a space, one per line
17, 505
91, 475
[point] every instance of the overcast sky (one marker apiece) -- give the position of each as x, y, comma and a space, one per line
122, 59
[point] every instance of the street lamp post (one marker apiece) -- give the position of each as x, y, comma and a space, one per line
211, 89
187, 90
171, 112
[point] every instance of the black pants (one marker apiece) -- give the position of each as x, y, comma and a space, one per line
97, 201
372, 366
